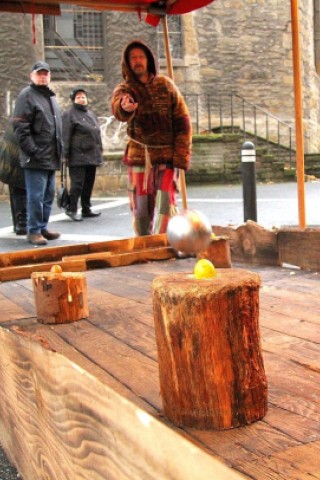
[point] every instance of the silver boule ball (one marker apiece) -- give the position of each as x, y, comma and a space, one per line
189, 232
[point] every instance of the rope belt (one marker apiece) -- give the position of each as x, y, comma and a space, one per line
148, 165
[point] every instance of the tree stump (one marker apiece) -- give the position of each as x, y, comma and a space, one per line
60, 297
210, 361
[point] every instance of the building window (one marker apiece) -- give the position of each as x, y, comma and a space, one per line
175, 38
74, 44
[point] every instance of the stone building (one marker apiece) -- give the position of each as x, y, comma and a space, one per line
238, 47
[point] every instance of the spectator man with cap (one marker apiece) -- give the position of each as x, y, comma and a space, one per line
38, 129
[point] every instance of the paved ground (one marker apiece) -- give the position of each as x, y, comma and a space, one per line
7, 471
277, 205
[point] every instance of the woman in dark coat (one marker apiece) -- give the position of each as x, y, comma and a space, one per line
82, 151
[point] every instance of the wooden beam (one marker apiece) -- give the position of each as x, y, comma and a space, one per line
48, 254
16, 273
130, 244
30, 7
250, 243
182, 176
66, 423
300, 247
52, 7
298, 110
108, 259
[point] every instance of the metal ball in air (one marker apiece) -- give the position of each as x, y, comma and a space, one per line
189, 232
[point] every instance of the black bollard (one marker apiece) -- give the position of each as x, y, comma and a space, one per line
248, 166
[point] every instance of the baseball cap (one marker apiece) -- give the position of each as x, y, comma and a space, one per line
40, 66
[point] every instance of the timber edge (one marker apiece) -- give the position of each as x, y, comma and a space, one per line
91, 256
252, 244
92, 432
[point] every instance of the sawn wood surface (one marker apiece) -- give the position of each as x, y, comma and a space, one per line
116, 347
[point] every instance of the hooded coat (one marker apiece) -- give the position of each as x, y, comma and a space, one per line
82, 143
161, 122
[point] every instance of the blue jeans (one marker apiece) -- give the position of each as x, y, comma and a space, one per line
40, 186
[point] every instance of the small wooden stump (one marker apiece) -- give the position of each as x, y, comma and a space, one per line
210, 361
60, 297
218, 252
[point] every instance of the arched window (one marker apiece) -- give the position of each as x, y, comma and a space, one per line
74, 44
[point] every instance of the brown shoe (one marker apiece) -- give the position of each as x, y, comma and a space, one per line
36, 239
50, 235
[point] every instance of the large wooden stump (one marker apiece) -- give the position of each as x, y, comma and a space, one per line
60, 297
210, 361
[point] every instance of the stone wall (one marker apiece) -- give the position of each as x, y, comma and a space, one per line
312, 164
241, 46
216, 159
17, 54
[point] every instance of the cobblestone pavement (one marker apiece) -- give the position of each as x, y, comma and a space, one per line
7, 471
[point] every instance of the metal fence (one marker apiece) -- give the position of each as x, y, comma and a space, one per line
233, 113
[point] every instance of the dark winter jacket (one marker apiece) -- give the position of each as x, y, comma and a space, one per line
10, 169
82, 144
161, 119
38, 128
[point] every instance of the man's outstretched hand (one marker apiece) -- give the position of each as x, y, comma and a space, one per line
128, 104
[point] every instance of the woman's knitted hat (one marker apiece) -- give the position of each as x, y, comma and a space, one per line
75, 91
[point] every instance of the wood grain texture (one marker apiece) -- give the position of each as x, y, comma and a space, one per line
218, 252
25, 271
60, 297
41, 255
113, 259
116, 346
210, 359
99, 255
251, 244
300, 247
79, 428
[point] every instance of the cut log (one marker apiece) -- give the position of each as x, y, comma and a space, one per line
218, 252
210, 361
60, 297
300, 247
251, 244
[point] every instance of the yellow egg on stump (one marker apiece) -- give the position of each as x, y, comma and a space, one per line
56, 269
204, 269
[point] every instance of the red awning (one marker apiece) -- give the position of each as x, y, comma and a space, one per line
152, 8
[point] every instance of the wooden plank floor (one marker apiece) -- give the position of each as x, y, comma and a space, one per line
117, 344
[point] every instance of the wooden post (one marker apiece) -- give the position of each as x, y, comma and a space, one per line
182, 177
298, 110
60, 297
210, 361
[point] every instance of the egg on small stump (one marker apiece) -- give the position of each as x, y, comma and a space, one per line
56, 269
204, 269
189, 232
